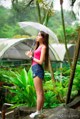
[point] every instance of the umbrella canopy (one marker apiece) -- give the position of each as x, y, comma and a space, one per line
33, 28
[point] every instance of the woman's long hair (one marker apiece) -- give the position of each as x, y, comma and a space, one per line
46, 43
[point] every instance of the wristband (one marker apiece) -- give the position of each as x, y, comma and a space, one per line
32, 58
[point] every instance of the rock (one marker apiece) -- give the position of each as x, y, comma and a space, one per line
22, 112
75, 103
65, 113
61, 112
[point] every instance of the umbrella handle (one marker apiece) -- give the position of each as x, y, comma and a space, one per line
33, 45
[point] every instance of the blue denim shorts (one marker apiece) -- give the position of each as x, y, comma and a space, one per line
38, 70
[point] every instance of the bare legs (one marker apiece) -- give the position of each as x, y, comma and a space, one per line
39, 92
40, 96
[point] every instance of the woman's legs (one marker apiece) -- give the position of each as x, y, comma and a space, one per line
39, 92
40, 96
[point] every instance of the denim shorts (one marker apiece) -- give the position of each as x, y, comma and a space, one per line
38, 70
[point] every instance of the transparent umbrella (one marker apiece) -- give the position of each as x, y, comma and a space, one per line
32, 28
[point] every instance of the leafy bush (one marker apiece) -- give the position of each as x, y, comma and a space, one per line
2, 72
22, 92
9, 31
50, 100
76, 82
55, 93
47, 76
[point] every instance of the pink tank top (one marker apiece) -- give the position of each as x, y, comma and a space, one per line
37, 54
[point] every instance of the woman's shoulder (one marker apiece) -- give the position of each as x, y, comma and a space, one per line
44, 47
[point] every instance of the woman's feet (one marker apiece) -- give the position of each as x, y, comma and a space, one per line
37, 113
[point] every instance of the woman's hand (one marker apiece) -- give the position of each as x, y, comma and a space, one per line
29, 53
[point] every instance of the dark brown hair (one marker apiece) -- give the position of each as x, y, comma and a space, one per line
46, 43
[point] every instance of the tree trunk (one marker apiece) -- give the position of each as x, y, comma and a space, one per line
39, 13
76, 54
67, 52
51, 70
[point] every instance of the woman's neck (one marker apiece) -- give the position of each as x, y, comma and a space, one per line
40, 44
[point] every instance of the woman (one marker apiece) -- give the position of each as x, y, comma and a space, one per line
39, 57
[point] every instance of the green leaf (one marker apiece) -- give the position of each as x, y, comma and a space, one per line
24, 77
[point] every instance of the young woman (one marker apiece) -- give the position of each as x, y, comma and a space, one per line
39, 57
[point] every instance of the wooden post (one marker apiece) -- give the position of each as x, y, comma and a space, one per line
3, 114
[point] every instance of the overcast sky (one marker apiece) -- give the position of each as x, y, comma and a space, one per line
7, 3
66, 5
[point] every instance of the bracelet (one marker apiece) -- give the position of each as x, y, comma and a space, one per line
32, 58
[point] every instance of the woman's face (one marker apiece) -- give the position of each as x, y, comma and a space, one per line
39, 37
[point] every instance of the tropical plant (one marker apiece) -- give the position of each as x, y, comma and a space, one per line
50, 100
3, 71
71, 34
22, 91
55, 92
76, 82
47, 76
73, 71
